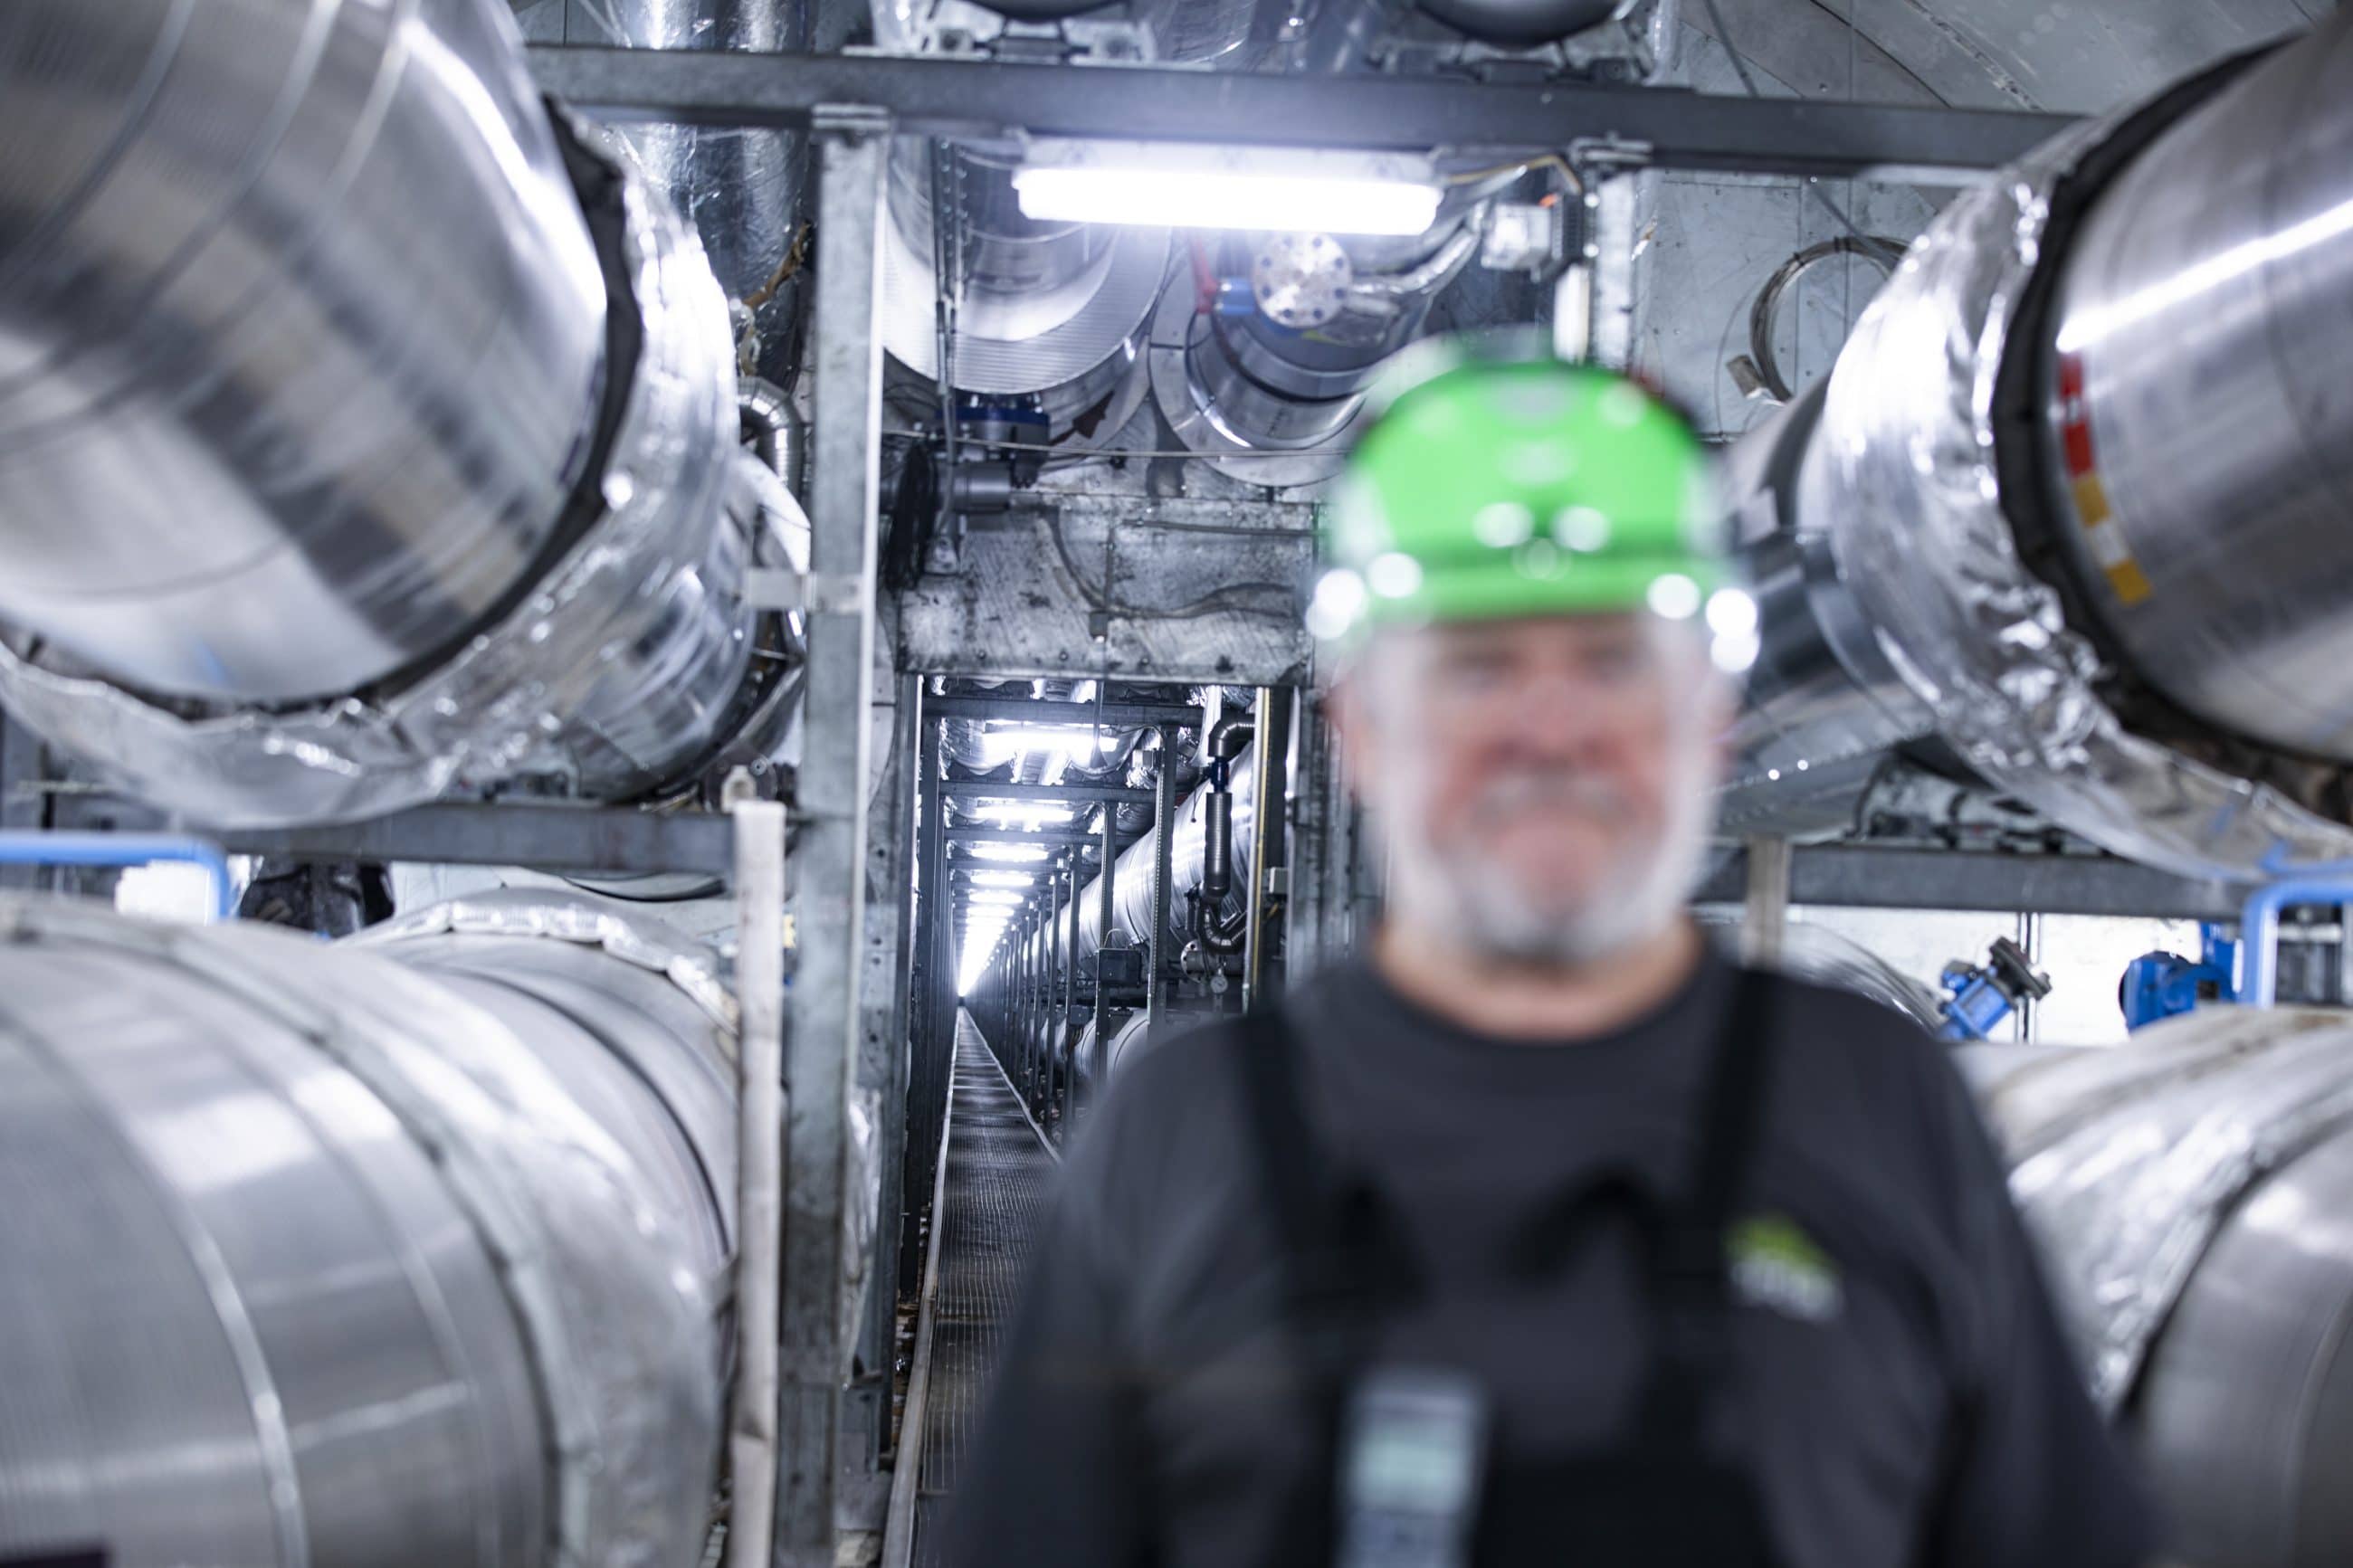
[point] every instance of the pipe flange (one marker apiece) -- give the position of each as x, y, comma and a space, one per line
1196, 426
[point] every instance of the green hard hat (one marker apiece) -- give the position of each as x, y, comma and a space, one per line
1490, 488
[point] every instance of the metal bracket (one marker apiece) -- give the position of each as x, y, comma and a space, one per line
821, 592
851, 123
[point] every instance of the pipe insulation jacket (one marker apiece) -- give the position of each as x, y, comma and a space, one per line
740, 186
2189, 1190
363, 431
298, 313
2070, 502
411, 1248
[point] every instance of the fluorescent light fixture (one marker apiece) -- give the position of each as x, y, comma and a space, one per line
994, 895
1173, 184
1003, 878
1000, 746
1021, 853
1027, 812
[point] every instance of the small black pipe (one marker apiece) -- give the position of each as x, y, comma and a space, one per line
1229, 736
1216, 851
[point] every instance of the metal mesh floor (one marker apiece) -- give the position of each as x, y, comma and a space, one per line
997, 1174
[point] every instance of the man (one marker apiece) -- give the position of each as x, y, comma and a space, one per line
1541, 1234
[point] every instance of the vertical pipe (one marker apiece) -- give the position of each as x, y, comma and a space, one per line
1066, 1022
1157, 961
1269, 801
831, 861
1764, 921
1032, 958
1099, 1066
759, 1179
889, 1003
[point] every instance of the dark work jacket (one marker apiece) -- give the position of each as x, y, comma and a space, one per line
1900, 1389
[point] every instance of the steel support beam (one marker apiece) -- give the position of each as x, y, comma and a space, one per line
1046, 835
1022, 711
965, 789
886, 1072
1860, 877
544, 837
935, 1021
853, 148
1666, 127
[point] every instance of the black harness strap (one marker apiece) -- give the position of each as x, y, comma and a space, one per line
1691, 1279
1344, 1263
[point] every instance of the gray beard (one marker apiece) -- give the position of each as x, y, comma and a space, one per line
1480, 906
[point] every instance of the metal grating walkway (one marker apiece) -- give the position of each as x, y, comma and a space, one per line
996, 1172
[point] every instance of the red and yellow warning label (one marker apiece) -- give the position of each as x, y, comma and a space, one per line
2102, 534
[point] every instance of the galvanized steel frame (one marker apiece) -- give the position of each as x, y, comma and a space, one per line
1658, 127
854, 146
1924, 877
886, 1002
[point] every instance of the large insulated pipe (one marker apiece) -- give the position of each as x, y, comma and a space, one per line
2189, 1190
1190, 863
406, 1249
361, 430
2070, 507
740, 186
1047, 316
301, 326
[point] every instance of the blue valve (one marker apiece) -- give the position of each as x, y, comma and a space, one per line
2160, 985
1983, 995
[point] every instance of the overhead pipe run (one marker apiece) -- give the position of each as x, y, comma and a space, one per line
1043, 319
407, 1248
439, 484
739, 187
1269, 346
2071, 505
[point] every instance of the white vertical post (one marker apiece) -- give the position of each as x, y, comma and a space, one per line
1766, 921
759, 1171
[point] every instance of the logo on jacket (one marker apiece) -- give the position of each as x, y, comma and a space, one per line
1775, 1264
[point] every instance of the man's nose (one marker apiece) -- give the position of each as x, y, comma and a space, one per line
1557, 716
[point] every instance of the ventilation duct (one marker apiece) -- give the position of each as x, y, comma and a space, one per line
361, 435
406, 1249
2071, 505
